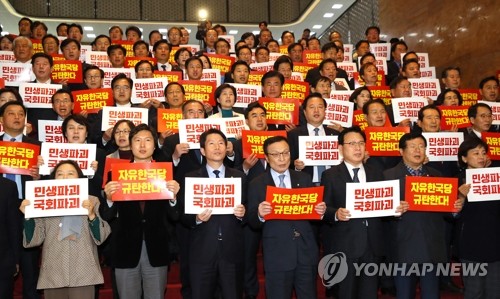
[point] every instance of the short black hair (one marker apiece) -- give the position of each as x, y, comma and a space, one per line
76, 26
282, 59
239, 62
367, 105
62, 91
359, 43
491, 78
119, 77
93, 67
12, 103
68, 41
310, 96
444, 73
272, 140
14, 91
143, 127
221, 87
137, 65
116, 47
135, 29
174, 83
410, 136
179, 52
428, 107
204, 135
46, 37
372, 27
162, 41
466, 146
79, 119
472, 112
272, 74
251, 107
353, 129
42, 55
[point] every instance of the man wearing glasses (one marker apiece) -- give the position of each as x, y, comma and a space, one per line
290, 246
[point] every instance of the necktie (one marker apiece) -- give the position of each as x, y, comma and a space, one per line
321, 168
282, 181
164, 67
355, 178
216, 172
11, 176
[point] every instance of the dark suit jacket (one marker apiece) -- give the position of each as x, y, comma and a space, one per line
479, 226
281, 251
203, 242
10, 229
293, 140
131, 226
353, 237
417, 237
188, 162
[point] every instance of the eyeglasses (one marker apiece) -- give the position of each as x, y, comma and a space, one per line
122, 88
354, 143
279, 155
59, 102
93, 77
125, 132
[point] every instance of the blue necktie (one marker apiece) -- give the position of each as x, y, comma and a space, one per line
321, 168
11, 176
216, 172
282, 181
355, 178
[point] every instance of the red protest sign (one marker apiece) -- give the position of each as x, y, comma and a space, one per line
313, 57
107, 168
167, 120
431, 194
92, 100
470, 96
493, 141
173, 76
454, 116
202, 91
294, 204
252, 142
128, 45
18, 157
293, 89
301, 67
381, 92
255, 77
281, 111
384, 141
70, 70
2, 82
221, 62
132, 61
142, 181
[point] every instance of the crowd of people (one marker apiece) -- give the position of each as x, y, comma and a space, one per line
218, 253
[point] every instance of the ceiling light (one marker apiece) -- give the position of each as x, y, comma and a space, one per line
88, 28
317, 26
337, 6
328, 15
232, 32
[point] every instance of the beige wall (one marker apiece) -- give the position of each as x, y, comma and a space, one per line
464, 33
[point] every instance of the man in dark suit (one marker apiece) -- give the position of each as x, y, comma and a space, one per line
290, 247
140, 238
255, 116
360, 239
184, 160
13, 118
10, 237
314, 107
427, 243
215, 249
